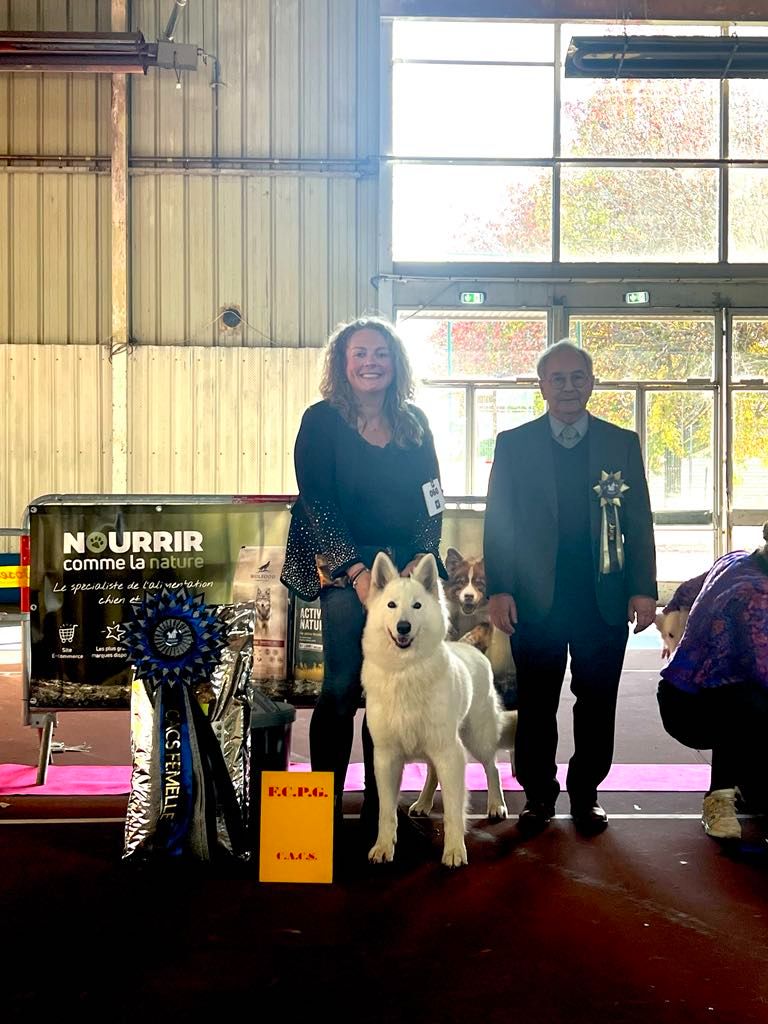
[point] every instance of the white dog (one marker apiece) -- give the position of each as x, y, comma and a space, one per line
427, 699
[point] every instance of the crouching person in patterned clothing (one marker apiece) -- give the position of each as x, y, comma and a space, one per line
714, 692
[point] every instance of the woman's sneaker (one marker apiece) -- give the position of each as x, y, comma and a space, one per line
718, 815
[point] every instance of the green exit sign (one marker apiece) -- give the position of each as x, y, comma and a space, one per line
472, 298
637, 298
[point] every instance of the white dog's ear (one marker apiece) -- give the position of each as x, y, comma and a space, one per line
426, 573
383, 571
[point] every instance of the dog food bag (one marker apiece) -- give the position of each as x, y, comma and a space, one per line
257, 581
225, 699
307, 648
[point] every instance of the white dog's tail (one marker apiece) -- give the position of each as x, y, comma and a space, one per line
507, 739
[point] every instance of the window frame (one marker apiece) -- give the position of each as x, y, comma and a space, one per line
555, 268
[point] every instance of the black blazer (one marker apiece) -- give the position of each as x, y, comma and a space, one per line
340, 480
521, 519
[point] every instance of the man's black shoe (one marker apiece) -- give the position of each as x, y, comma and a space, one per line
589, 820
535, 816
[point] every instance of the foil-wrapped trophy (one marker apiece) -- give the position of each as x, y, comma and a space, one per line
189, 729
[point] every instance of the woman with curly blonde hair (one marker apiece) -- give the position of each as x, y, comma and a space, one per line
368, 481
337, 390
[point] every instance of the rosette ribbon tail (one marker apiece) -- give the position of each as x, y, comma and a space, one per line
221, 800
609, 489
172, 771
175, 642
605, 551
619, 540
611, 543
192, 783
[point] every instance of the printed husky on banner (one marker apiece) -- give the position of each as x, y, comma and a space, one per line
257, 580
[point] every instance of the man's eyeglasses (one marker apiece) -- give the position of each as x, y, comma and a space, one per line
578, 380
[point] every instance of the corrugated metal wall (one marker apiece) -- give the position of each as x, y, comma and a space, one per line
294, 249
54, 220
51, 114
55, 257
284, 251
255, 185
209, 421
55, 420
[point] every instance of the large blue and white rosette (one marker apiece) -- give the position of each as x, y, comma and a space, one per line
175, 643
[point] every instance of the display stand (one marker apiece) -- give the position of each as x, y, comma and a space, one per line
92, 556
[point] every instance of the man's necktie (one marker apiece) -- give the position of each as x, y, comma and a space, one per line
569, 436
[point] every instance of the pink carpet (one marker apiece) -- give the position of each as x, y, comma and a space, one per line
65, 780
110, 780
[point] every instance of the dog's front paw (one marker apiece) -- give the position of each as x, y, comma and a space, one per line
455, 856
497, 812
382, 852
420, 809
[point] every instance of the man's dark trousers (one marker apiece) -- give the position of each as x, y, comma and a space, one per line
597, 654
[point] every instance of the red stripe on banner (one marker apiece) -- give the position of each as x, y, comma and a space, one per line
24, 559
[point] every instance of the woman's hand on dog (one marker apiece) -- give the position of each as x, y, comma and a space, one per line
503, 612
360, 579
363, 586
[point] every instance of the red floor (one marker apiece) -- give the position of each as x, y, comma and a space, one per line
651, 921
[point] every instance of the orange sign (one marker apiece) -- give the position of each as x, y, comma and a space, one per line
14, 576
296, 842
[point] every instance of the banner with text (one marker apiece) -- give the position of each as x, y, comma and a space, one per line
90, 563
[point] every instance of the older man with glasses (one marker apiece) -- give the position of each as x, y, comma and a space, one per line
570, 561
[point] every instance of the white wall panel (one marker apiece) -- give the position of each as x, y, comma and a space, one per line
208, 420
54, 424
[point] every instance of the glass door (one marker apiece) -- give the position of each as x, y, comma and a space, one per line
475, 376
747, 435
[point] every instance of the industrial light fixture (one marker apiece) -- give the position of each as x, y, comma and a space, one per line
667, 57
118, 52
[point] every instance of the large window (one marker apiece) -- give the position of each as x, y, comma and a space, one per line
496, 156
667, 366
563, 199
476, 377
749, 422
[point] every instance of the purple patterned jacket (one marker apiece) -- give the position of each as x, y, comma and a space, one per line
726, 636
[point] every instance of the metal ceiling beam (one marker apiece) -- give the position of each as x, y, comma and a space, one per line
118, 52
581, 10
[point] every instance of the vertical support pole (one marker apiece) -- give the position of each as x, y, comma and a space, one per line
45, 732
118, 356
386, 296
